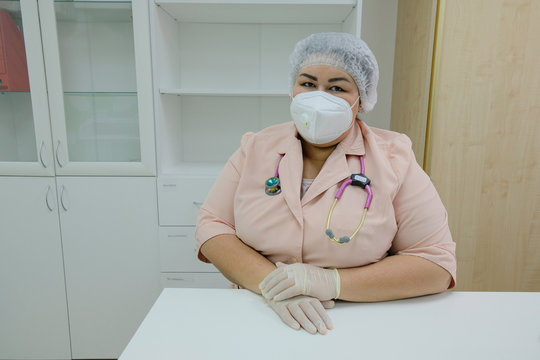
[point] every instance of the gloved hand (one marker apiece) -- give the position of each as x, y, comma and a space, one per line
301, 279
304, 311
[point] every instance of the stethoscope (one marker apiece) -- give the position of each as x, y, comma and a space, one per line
273, 187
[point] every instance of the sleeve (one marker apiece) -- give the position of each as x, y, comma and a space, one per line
216, 216
421, 218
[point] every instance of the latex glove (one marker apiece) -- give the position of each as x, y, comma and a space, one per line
301, 279
304, 311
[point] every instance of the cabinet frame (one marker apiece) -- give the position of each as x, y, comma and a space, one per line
173, 23
141, 33
44, 165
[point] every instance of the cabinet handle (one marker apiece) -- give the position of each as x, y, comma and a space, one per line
198, 204
64, 198
43, 158
58, 156
49, 199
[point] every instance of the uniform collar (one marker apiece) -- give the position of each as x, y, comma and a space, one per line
353, 144
335, 169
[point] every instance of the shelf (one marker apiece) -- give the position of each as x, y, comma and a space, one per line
104, 93
222, 70
93, 11
191, 92
258, 12
112, 138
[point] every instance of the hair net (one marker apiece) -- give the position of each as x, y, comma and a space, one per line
343, 51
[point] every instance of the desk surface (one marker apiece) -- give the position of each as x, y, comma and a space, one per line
237, 324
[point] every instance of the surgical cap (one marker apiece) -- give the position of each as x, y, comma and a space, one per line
343, 51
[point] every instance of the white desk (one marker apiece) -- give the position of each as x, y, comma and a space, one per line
237, 324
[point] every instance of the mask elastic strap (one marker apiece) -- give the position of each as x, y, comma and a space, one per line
358, 112
354, 103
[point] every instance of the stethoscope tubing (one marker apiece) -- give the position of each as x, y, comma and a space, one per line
273, 187
349, 181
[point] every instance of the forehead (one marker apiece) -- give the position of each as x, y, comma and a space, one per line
325, 72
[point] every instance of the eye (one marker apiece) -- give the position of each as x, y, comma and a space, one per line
336, 88
307, 84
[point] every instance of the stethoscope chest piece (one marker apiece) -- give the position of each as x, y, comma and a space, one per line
272, 186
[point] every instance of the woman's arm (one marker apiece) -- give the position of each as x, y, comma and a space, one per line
394, 277
237, 261
215, 234
247, 268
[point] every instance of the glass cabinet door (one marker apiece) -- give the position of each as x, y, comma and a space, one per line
25, 138
98, 76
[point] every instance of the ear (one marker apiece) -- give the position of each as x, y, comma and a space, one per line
359, 111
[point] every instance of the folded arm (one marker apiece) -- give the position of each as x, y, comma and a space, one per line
246, 267
395, 277
237, 261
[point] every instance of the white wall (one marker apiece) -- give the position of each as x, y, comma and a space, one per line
379, 19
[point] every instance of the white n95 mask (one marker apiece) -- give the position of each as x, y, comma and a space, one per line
320, 117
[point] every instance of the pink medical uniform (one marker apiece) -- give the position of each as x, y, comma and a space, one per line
406, 215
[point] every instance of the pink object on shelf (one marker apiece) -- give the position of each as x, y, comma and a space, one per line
13, 68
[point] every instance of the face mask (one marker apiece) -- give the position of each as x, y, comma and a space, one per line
320, 117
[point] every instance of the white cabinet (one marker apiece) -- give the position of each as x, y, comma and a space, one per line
96, 57
97, 60
33, 308
84, 109
177, 250
221, 69
181, 197
94, 244
179, 264
109, 235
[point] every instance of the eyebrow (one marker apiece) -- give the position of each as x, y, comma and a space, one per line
338, 79
309, 76
329, 80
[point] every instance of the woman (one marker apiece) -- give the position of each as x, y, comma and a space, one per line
272, 224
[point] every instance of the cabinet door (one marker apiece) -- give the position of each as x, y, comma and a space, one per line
111, 251
97, 57
25, 137
33, 309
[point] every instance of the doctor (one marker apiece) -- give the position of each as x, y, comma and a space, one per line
326, 207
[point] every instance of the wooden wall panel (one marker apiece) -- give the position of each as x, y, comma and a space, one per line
412, 68
485, 140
